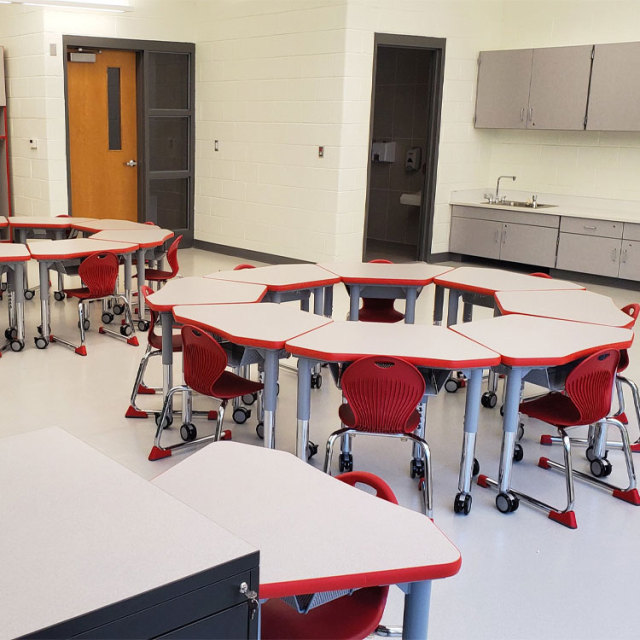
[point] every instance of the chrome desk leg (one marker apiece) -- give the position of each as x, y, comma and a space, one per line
471, 411
18, 292
166, 319
415, 623
354, 301
304, 407
141, 271
43, 268
510, 427
127, 276
270, 397
318, 301
438, 305
410, 305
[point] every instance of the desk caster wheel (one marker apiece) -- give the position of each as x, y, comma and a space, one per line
260, 430
118, 309
168, 422
489, 399
316, 381
107, 317
241, 415
29, 293
41, 342
17, 345
518, 453
462, 503
249, 398
345, 462
591, 455
416, 468
59, 295
188, 432
601, 467
520, 431
143, 325
312, 449
451, 385
476, 467
86, 324
507, 502
126, 330
10, 333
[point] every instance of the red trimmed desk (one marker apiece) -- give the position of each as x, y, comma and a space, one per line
380, 280
55, 254
194, 291
315, 533
286, 282
263, 329
90, 549
435, 349
531, 348
150, 241
13, 258
93, 225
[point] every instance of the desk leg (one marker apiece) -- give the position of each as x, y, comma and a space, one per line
452, 307
510, 428
438, 305
141, 269
415, 623
410, 305
318, 301
43, 269
166, 319
270, 397
328, 301
127, 276
462, 504
18, 292
354, 301
304, 407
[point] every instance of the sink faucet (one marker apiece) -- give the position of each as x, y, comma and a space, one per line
497, 199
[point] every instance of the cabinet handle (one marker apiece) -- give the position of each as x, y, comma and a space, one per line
614, 255
522, 114
623, 256
530, 114
590, 228
497, 238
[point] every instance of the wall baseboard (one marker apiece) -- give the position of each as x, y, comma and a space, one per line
245, 254
445, 256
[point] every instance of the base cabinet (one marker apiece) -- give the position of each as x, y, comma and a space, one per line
589, 254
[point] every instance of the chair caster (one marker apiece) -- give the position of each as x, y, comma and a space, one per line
591, 455
126, 330
107, 317
188, 432
316, 381
518, 453
59, 295
241, 415
452, 385
462, 503
249, 398
41, 343
489, 399
10, 333
312, 449
143, 325
520, 431
345, 462
416, 468
168, 422
29, 293
601, 467
17, 345
260, 430
118, 309
476, 467
507, 502
86, 324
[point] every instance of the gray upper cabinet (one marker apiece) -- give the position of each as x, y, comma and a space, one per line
614, 99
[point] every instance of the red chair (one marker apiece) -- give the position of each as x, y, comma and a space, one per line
379, 309
203, 364
99, 273
160, 275
586, 399
350, 617
381, 395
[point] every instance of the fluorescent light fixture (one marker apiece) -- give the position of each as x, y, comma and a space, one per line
96, 5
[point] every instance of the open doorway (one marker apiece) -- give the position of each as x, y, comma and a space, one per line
404, 135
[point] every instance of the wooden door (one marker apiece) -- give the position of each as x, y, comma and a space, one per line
103, 141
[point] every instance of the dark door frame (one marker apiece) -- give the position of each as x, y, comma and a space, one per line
144, 114
437, 45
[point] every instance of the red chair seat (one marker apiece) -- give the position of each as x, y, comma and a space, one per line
554, 408
379, 310
348, 618
157, 274
348, 418
229, 385
81, 293
156, 341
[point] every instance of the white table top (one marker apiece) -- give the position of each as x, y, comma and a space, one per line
79, 532
3, 221
144, 238
267, 325
42, 222
422, 345
10, 252
281, 277
314, 532
408, 274
199, 290
530, 341
488, 281
578, 305
75, 248
102, 224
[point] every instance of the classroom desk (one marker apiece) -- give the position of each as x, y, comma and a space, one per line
530, 348
12, 260
194, 291
93, 225
577, 306
263, 328
89, 547
314, 532
434, 349
56, 253
286, 282
149, 239
380, 280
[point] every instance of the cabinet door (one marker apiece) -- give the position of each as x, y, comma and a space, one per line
614, 98
502, 94
528, 244
559, 87
589, 254
630, 260
475, 237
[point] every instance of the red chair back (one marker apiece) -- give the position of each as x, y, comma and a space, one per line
540, 274
382, 489
381, 261
243, 265
379, 309
99, 273
590, 384
172, 256
204, 360
632, 310
382, 393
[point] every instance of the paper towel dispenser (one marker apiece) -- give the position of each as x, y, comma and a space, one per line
383, 152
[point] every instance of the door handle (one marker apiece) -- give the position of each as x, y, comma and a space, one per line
131, 163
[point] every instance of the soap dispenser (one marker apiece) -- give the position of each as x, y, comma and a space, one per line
412, 160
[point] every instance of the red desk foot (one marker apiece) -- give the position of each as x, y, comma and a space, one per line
81, 351
567, 518
157, 454
632, 497
134, 413
145, 390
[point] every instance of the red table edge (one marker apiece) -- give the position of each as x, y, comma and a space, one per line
162, 308
141, 245
13, 258
82, 254
244, 341
492, 292
407, 282
314, 284
360, 580
64, 224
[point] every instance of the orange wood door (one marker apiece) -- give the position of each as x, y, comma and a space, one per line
101, 139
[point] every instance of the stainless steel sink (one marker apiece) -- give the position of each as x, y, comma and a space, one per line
528, 205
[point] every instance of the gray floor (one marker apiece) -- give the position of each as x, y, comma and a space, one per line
522, 576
